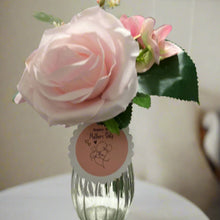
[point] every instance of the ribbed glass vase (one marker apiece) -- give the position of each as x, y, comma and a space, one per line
97, 201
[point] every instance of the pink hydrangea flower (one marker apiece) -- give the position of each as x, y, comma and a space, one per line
152, 42
133, 24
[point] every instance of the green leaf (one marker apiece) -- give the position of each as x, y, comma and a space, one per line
120, 121
112, 126
48, 18
175, 77
142, 100
124, 118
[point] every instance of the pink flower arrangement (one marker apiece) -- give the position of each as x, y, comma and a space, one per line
86, 71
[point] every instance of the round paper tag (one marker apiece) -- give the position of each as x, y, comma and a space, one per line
98, 155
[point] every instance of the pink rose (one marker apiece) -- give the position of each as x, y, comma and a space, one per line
83, 71
153, 43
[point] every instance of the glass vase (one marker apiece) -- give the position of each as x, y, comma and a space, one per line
99, 201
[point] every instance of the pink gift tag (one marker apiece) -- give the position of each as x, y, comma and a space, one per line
98, 155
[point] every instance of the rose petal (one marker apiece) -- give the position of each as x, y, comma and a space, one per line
111, 107
62, 113
126, 72
63, 55
105, 20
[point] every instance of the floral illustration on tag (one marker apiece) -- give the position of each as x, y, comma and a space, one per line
100, 152
99, 145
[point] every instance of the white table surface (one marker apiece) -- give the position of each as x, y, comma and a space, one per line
50, 199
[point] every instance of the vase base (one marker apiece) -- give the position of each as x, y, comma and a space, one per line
103, 213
